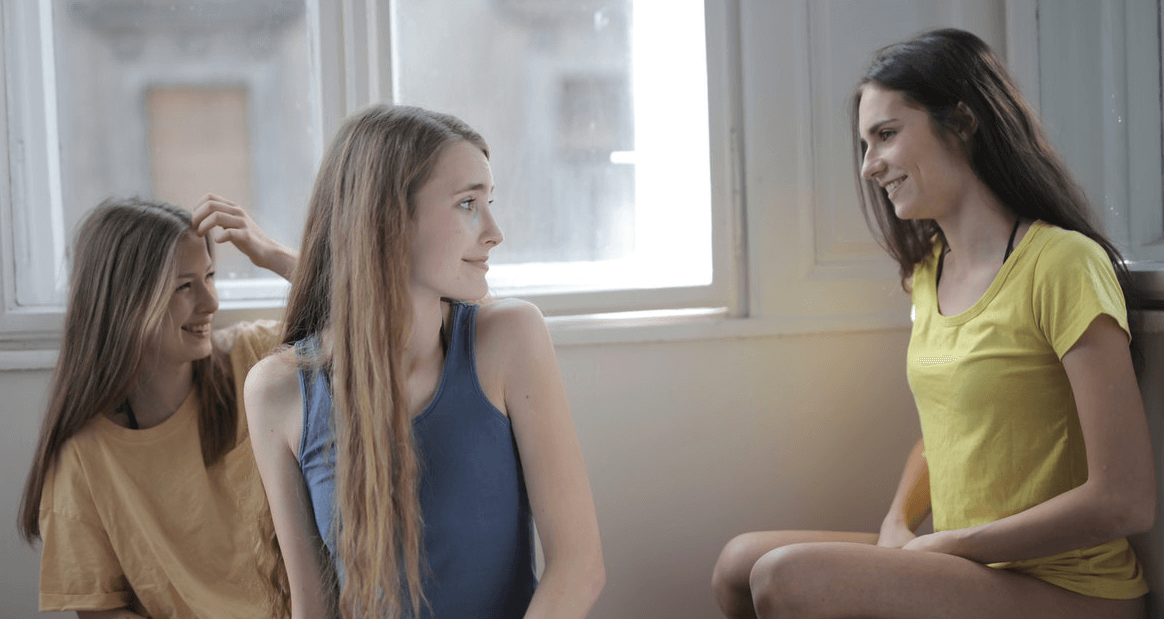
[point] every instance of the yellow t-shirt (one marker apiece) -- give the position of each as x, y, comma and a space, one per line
133, 517
997, 412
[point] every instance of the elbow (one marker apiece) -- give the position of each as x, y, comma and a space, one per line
592, 580
597, 580
1142, 517
584, 579
1132, 513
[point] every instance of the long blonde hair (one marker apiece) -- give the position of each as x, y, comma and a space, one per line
119, 290
353, 279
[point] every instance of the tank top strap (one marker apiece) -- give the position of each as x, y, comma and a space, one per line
462, 340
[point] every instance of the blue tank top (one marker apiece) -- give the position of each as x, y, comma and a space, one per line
478, 533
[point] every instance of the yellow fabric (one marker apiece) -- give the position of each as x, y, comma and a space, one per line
134, 518
997, 412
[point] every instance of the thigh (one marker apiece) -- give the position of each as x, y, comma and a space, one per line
833, 579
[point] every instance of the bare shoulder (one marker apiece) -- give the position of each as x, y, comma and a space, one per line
509, 318
510, 326
272, 395
512, 341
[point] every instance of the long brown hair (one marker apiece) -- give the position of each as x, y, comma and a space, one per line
353, 280
119, 290
937, 71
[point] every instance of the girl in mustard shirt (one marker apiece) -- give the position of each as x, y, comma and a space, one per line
143, 490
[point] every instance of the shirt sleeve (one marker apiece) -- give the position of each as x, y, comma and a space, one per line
252, 342
79, 569
1074, 284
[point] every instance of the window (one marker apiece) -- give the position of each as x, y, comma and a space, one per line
164, 99
1099, 70
597, 115
596, 112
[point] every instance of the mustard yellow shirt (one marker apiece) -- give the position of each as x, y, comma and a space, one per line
133, 517
997, 412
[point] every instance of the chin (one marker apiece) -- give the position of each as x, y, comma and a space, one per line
468, 293
904, 213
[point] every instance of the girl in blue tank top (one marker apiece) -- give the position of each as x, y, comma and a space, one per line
408, 441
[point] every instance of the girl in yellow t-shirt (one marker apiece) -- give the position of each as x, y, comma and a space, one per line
1035, 456
144, 489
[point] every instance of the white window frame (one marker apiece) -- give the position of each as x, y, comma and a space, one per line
1114, 146
352, 66
368, 77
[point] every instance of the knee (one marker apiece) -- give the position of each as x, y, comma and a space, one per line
734, 565
729, 579
789, 582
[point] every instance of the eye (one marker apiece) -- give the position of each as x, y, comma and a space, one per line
886, 134
210, 275
469, 204
185, 286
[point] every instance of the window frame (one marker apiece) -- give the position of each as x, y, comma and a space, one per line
352, 66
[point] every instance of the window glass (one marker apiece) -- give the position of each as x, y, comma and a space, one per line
596, 116
177, 98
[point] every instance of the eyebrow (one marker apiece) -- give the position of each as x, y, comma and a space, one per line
879, 124
193, 275
473, 187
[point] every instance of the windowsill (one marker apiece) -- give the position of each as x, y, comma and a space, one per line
598, 329
591, 330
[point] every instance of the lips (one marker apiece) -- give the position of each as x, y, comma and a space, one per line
892, 185
479, 262
201, 329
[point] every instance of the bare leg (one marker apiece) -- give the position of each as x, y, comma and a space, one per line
835, 580
730, 580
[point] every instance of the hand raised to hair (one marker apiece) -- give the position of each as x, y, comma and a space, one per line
226, 221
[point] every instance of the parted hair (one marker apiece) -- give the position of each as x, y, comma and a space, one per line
353, 283
1008, 150
119, 289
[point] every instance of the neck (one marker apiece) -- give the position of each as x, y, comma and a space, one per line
157, 394
977, 229
424, 338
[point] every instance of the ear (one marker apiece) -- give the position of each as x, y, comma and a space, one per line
966, 121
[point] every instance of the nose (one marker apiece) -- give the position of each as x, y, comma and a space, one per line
490, 233
871, 164
207, 302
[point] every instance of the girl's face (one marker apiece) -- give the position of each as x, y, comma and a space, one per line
184, 333
453, 230
923, 173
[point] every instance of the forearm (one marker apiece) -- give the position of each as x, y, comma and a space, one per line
280, 259
567, 591
911, 503
1079, 518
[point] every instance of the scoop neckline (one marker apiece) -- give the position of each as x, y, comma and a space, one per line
995, 285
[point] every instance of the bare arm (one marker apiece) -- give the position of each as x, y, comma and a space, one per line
911, 503
229, 222
1119, 497
559, 491
274, 412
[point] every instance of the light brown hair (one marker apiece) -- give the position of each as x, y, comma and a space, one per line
119, 291
353, 280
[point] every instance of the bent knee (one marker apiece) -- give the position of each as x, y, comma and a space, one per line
792, 580
734, 564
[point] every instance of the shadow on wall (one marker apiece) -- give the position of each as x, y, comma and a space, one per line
1149, 547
